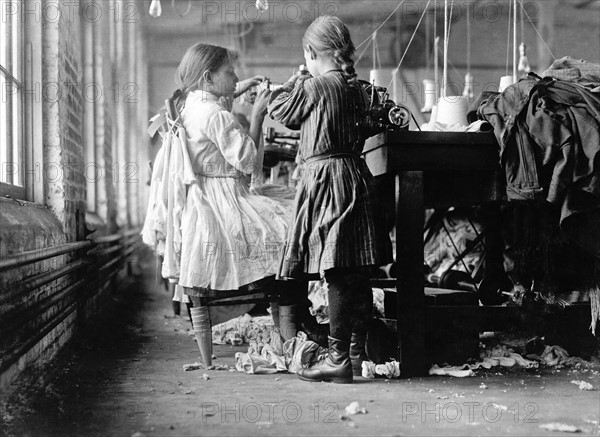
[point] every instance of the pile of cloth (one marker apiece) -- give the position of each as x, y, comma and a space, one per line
272, 356
503, 356
548, 130
244, 329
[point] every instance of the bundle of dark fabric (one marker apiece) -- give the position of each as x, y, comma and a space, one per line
548, 130
549, 136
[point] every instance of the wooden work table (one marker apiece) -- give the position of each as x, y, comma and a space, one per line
417, 170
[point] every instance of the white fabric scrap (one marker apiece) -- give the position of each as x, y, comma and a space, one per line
355, 408
502, 356
390, 369
456, 371
560, 427
317, 294
583, 385
298, 353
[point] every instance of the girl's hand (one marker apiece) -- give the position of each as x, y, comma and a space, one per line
246, 84
261, 103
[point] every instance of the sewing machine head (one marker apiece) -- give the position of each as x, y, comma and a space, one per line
384, 113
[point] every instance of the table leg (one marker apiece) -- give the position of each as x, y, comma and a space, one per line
409, 258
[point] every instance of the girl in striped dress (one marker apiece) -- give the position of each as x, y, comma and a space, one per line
335, 229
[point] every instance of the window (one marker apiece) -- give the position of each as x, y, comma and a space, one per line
12, 152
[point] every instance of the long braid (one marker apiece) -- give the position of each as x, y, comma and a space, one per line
346, 63
329, 36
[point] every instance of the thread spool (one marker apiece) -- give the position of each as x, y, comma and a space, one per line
287, 321
430, 92
505, 82
468, 91
452, 110
524, 66
380, 76
433, 117
155, 10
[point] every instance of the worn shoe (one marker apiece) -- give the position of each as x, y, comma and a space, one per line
335, 365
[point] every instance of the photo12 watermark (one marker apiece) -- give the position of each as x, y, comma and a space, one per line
471, 412
284, 411
70, 11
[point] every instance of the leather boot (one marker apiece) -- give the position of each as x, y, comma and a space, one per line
335, 366
358, 353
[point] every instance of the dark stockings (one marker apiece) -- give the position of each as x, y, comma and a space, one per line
350, 302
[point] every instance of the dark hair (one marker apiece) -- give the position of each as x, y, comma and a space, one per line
329, 36
198, 59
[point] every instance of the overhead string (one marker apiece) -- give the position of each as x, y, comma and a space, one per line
436, 40
536, 30
376, 53
468, 40
381, 25
508, 37
427, 44
409, 42
362, 54
447, 25
515, 41
524, 66
468, 89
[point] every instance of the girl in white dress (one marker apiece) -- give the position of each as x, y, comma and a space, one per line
230, 238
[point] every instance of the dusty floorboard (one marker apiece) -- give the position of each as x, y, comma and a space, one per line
125, 378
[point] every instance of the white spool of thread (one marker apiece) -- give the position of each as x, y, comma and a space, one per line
453, 110
433, 118
381, 77
505, 82
429, 89
468, 90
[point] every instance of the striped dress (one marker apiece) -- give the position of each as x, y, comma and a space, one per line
336, 221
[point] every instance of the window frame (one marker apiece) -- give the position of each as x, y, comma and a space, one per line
12, 71
31, 108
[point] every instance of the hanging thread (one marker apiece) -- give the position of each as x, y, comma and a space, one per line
381, 25
410, 41
524, 66
468, 90
536, 31
508, 38
515, 41
436, 42
445, 73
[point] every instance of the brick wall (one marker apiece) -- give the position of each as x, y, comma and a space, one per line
61, 218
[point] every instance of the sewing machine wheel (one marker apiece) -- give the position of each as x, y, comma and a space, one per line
399, 116
494, 289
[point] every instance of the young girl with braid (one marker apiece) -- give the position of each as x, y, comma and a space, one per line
334, 227
230, 237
